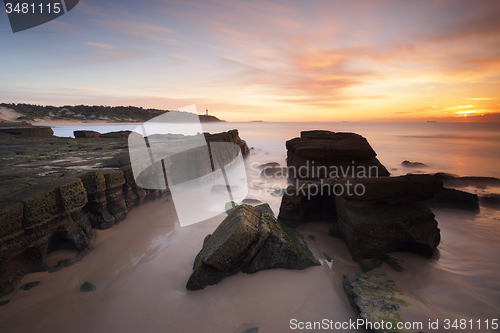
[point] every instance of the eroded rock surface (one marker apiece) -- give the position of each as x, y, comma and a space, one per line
374, 300
53, 191
248, 240
325, 154
390, 216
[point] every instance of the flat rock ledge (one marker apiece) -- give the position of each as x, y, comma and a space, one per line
248, 240
324, 154
55, 191
374, 300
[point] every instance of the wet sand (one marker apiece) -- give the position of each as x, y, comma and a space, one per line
140, 268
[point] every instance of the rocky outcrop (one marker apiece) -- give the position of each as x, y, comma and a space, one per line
45, 217
53, 191
324, 154
229, 136
86, 134
490, 201
373, 300
389, 216
248, 240
452, 198
25, 130
409, 164
479, 182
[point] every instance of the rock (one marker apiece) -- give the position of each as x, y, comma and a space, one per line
393, 190
248, 240
371, 230
205, 240
451, 198
274, 172
324, 154
116, 135
29, 285
2, 303
369, 264
388, 216
229, 136
479, 182
269, 165
86, 134
44, 205
490, 200
114, 194
373, 299
39, 219
251, 330
250, 201
27, 130
87, 286
97, 207
265, 209
334, 231
327, 257
230, 206
307, 201
409, 164
311, 237
393, 263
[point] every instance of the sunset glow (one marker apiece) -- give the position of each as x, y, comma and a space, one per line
259, 60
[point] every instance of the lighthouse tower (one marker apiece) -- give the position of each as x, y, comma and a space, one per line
206, 113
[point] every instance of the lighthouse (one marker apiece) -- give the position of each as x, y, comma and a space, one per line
206, 113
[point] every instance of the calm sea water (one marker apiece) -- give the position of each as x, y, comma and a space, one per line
465, 149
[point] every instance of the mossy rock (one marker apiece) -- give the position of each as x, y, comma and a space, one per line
87, 286
248, 240
374, 299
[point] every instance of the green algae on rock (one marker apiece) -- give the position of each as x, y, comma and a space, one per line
374, 300
248, 240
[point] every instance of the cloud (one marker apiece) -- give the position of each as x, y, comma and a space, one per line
105, 46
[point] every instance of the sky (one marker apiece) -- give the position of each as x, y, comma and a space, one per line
360, 60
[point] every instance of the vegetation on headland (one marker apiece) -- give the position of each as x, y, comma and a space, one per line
30, 112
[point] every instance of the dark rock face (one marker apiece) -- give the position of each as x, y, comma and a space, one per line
86, 134
97, 207
248, 240
114, 194
491, 201
394, 219
229, 136
308, 201
479, 182
451, 198
373, 300
324, 154
25, 130
393, 190
39, 220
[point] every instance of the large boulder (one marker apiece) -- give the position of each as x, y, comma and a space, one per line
324, 154
86, 134
248, 240
408, 188
394, 218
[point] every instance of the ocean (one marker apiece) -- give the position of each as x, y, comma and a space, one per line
140, 267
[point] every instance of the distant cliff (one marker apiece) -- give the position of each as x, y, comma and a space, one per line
91, 113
